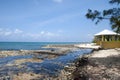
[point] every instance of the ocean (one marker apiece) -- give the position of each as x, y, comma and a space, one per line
28, 45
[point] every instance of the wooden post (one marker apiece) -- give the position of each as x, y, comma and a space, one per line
102, 37
113, 37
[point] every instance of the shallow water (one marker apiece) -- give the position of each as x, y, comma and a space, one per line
48, 66
52, 67
10, 59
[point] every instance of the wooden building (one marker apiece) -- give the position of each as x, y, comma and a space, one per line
107, 39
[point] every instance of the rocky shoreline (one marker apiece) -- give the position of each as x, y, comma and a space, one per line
98, 65
17, 59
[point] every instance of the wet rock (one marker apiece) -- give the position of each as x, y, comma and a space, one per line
82, 62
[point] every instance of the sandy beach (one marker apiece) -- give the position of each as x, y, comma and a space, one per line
105, 53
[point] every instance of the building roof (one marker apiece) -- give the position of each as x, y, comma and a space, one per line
106, 32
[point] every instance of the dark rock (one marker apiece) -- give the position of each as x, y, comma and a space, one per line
82, 62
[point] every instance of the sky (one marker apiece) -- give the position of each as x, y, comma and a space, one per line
49, 20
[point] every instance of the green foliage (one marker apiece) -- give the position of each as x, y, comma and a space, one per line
114, 1
113, 15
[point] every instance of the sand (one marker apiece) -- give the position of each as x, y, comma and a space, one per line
105, 53
88, 45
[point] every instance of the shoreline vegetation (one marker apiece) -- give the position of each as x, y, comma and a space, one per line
100, 64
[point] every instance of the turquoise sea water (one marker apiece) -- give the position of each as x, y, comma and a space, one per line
28, 45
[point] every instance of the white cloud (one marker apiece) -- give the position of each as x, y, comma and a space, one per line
21, 35
42, 32
5, 32
58, 1
41, 35
47, 34
9, 32
16, 31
